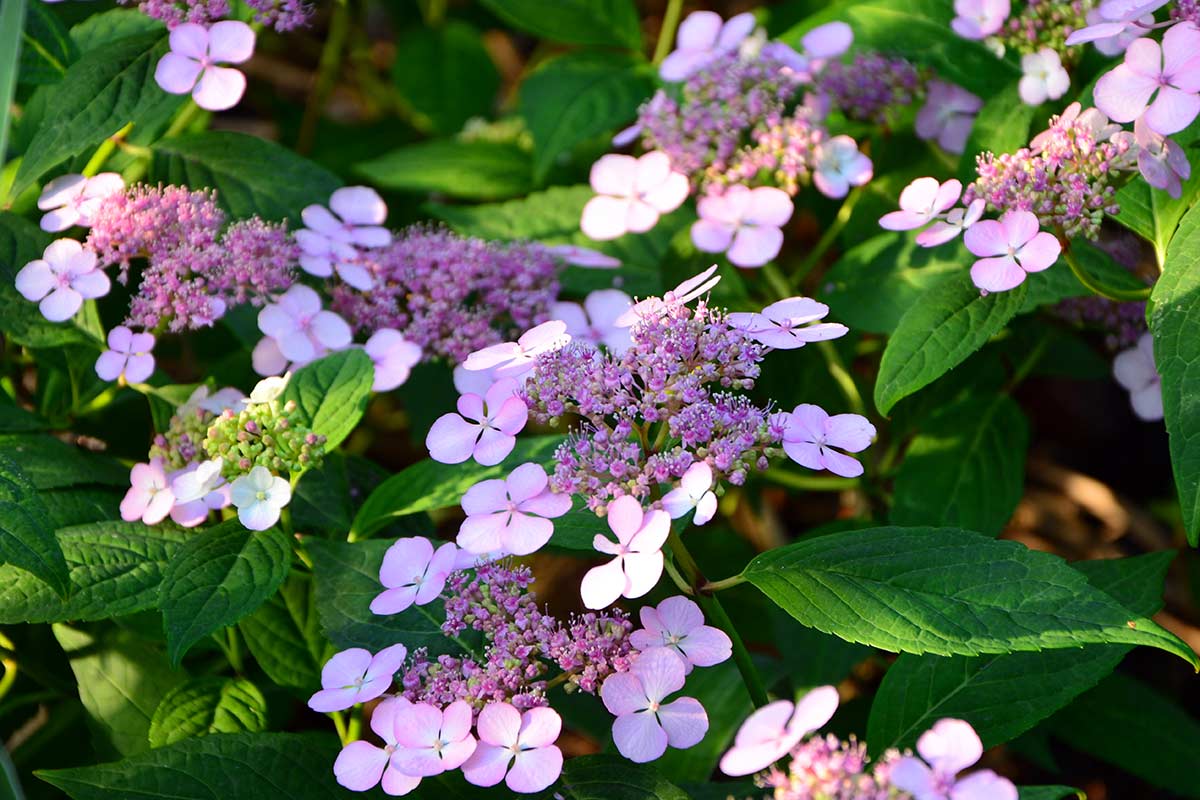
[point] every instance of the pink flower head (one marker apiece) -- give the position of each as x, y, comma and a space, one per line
412, 573
694, 492
773, 730
432, 741
787, 324
128, 354
1044, 77
644, 725
361, 766
839, 165
73, 199
631, 194
702, 37
810, 435
485, 427
1012, 248
743, 223
511, 514
149, 497
956, 221
355, 676
1161, 82
948, 748
331, 239
595, 321
393, 356
638, 558
947, 115
685, 292
301, 330
979, 19
512, 359
921, 202
678, 624
583, 257
1162, 162
517, 748
199, 489
1111, 37
1134, 369
62, 279
192, 64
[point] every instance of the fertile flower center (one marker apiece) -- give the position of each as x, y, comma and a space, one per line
260, 495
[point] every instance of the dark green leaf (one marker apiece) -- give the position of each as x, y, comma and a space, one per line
81, 505
948, 592
576, 529
27, 539
46, 47
1048, 792
15, 419
219, 576
446, 75
1002, 126
100, 30
1052, 285
331, 393
208, 705
611, 778
284, 635
51, 463
476, 170
598, 22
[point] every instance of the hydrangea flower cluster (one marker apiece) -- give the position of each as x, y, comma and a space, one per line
283, 15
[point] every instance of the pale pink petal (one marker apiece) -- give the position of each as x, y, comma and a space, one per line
492, 448
828, 40
92, 284
1039, 253
190, 39
1019, 228
950, 746
750, 758
61, 304
806, 454
605, 217
110, 365
540, 727
1122, 94
699, 31
754, 246
625, 517
769, 206
535, 770
814, 710
60, 219
485, 497
396, 783
840, 464
345, 668
712, 237
137, 370
614, 175
984, 785
987, 238
937, 234
320, 220
677, 502
35, 280
913, 776
1173, 110
849, 432
359, 205
682, 64
513, 413
660, 673
640, 217
902, 220
706, 509
1148, 403
602, 585
230, 42
997, 274
656, 526
219, 88
386, 663
451, 439
668, 195
706, 646
499, 724
547, 504
526, 534
360, 765
488, 764
423, 762
65, 190
684, 721
403, 559
393, 601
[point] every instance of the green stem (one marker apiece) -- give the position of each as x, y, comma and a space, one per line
666, 34
1112, 293
327, 72
673, 574
811, 483
354, 729
339, 722
1029, 361
12, 26
727, 583
827, 239
235, 651
96, 162
9, 663
779, 283
845, 381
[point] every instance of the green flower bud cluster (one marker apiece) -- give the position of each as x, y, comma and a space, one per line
266, 435
183, 441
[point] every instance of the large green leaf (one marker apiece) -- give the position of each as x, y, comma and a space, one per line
576, 96
251, 175
446, 75
284, 635
1002, 126
51, 463
27, 539
208, 705
945, 325
219, 576
966, 466
473, 170
429, 484
1174, 321
605, 777
115, 569
946, 591
100, 30
347, 579
598, 22
102, 92
46, 47
225, 765
1003, 696
331, 393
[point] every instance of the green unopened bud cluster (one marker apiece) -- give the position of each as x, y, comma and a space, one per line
183, 441
263, 435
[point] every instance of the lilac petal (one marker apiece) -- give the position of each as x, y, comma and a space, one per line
110, 365
331, 330
176, 73
483, 533
486, 497
404, 558
660, 672
499, 724
806, 454
808, 423
684, 721
421, 762
451, 439
937, 234
677, 502
734, 31
953, 138
622, 694
65, 190
706, 646
219, 88
1133, 371
986, 238
92, 284
230, 42
190, 39
61, 304
396, 783
35, 280
699, 31
850, 432
540, 727
267, 358
902, 220
526, 481
1122, 94
386, 663
360, 765
840, 464
668, 195
750, 758
984, 785
602, 585
828, 40
1180, 47
493, 447
59, 219
189, 514
1040, 253
832, 185
326, 701
920, 196
682, 64
536, 769
950, 746
678, 615
605, 217
913, 776
997, 274
1091, 33
344, 668
1148, 403
138, 369
297, 346
639, 737
513, 413
393, 601
814, 710
489, 763
1173, 110
712, 237
754, 246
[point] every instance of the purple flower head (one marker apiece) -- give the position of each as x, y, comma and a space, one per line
331, 239
979, 19
1044, 77
393, 356
514, 359
840, 165
511, 515
298, 331
62, 279
431, 740
412, 573
810, 436
921, 202
694, 492
595, 321
637, 560
1161, 82
1134, 369
1010, 248
745, 224
1162, 162
73, 199
516, 748
644, 724
774, 729
355, 676
678, 625
948, 748
947, 115
702, 37
128, 355
361, 766
149, 497
484, 428
192, 64
787, 324
866, 88
631, 194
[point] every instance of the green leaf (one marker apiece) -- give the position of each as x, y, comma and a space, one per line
46, 47
1002, 126
1048, 792
1052, 285
27, 540
14, 419
284, 635
100, 30
102, 92
948, 592
573, 97
475, 170
429, 484
219, 576
121, 681
12, 26
1126, 723
51, 463
604, 777
226, 765
946, 324
208, 705
1152, 213
331, 393
81, 505
576, 529
115, 569
321, 502
966, 466
597, 22
1174, 319
251, 175
347, 580
446, 75
1005, 695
